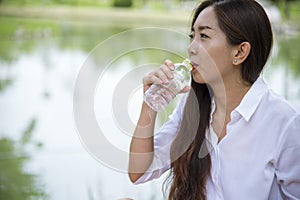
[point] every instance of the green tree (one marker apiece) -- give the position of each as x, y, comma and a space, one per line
284, 6
288, 54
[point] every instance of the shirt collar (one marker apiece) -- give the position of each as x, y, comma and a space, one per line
246, 109
251, 100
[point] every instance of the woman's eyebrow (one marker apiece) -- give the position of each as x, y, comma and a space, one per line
201, 28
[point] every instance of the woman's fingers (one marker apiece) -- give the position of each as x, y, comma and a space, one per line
151, 79
185, 89
160, 76
167, 70
170, 64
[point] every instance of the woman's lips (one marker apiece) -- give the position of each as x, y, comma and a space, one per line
194, 66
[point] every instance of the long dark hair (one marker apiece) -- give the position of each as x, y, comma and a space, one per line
240, 20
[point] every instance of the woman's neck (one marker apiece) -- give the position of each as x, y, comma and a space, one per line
229, 94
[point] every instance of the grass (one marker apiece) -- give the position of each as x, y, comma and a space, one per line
136, 4
84, 3
12, 14
132, 17
9, 26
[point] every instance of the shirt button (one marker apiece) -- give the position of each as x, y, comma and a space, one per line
215, 178
234, 116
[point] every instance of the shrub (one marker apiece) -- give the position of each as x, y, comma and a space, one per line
122, 3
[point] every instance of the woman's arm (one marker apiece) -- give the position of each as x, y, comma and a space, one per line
142, 147
288, 165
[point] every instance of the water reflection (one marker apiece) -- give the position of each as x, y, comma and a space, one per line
17, 182
38, 73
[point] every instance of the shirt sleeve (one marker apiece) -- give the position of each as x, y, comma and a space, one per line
288, 163
162, 145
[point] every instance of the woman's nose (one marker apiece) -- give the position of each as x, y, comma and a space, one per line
192, 48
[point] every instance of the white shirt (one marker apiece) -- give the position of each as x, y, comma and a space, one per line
259, 157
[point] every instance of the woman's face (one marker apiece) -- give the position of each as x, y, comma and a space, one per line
209, 51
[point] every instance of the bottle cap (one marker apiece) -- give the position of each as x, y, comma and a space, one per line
188, 64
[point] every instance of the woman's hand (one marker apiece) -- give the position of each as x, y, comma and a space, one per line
160, 76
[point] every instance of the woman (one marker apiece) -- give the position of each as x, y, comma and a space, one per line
230, 137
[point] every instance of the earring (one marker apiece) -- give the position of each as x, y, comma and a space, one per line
235, 61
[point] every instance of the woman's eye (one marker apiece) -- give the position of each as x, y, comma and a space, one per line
191, 36
203, 35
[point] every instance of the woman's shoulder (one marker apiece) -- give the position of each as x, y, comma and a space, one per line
278, 104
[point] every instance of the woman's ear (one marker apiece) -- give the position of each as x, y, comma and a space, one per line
241, 53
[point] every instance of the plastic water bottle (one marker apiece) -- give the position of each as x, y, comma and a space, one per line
158, 96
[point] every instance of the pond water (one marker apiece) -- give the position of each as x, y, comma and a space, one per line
44, 103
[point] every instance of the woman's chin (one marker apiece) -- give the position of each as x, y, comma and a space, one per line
198, 78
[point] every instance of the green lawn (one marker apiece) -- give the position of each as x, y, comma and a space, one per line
97, 15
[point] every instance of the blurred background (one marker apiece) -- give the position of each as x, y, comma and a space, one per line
43, 45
